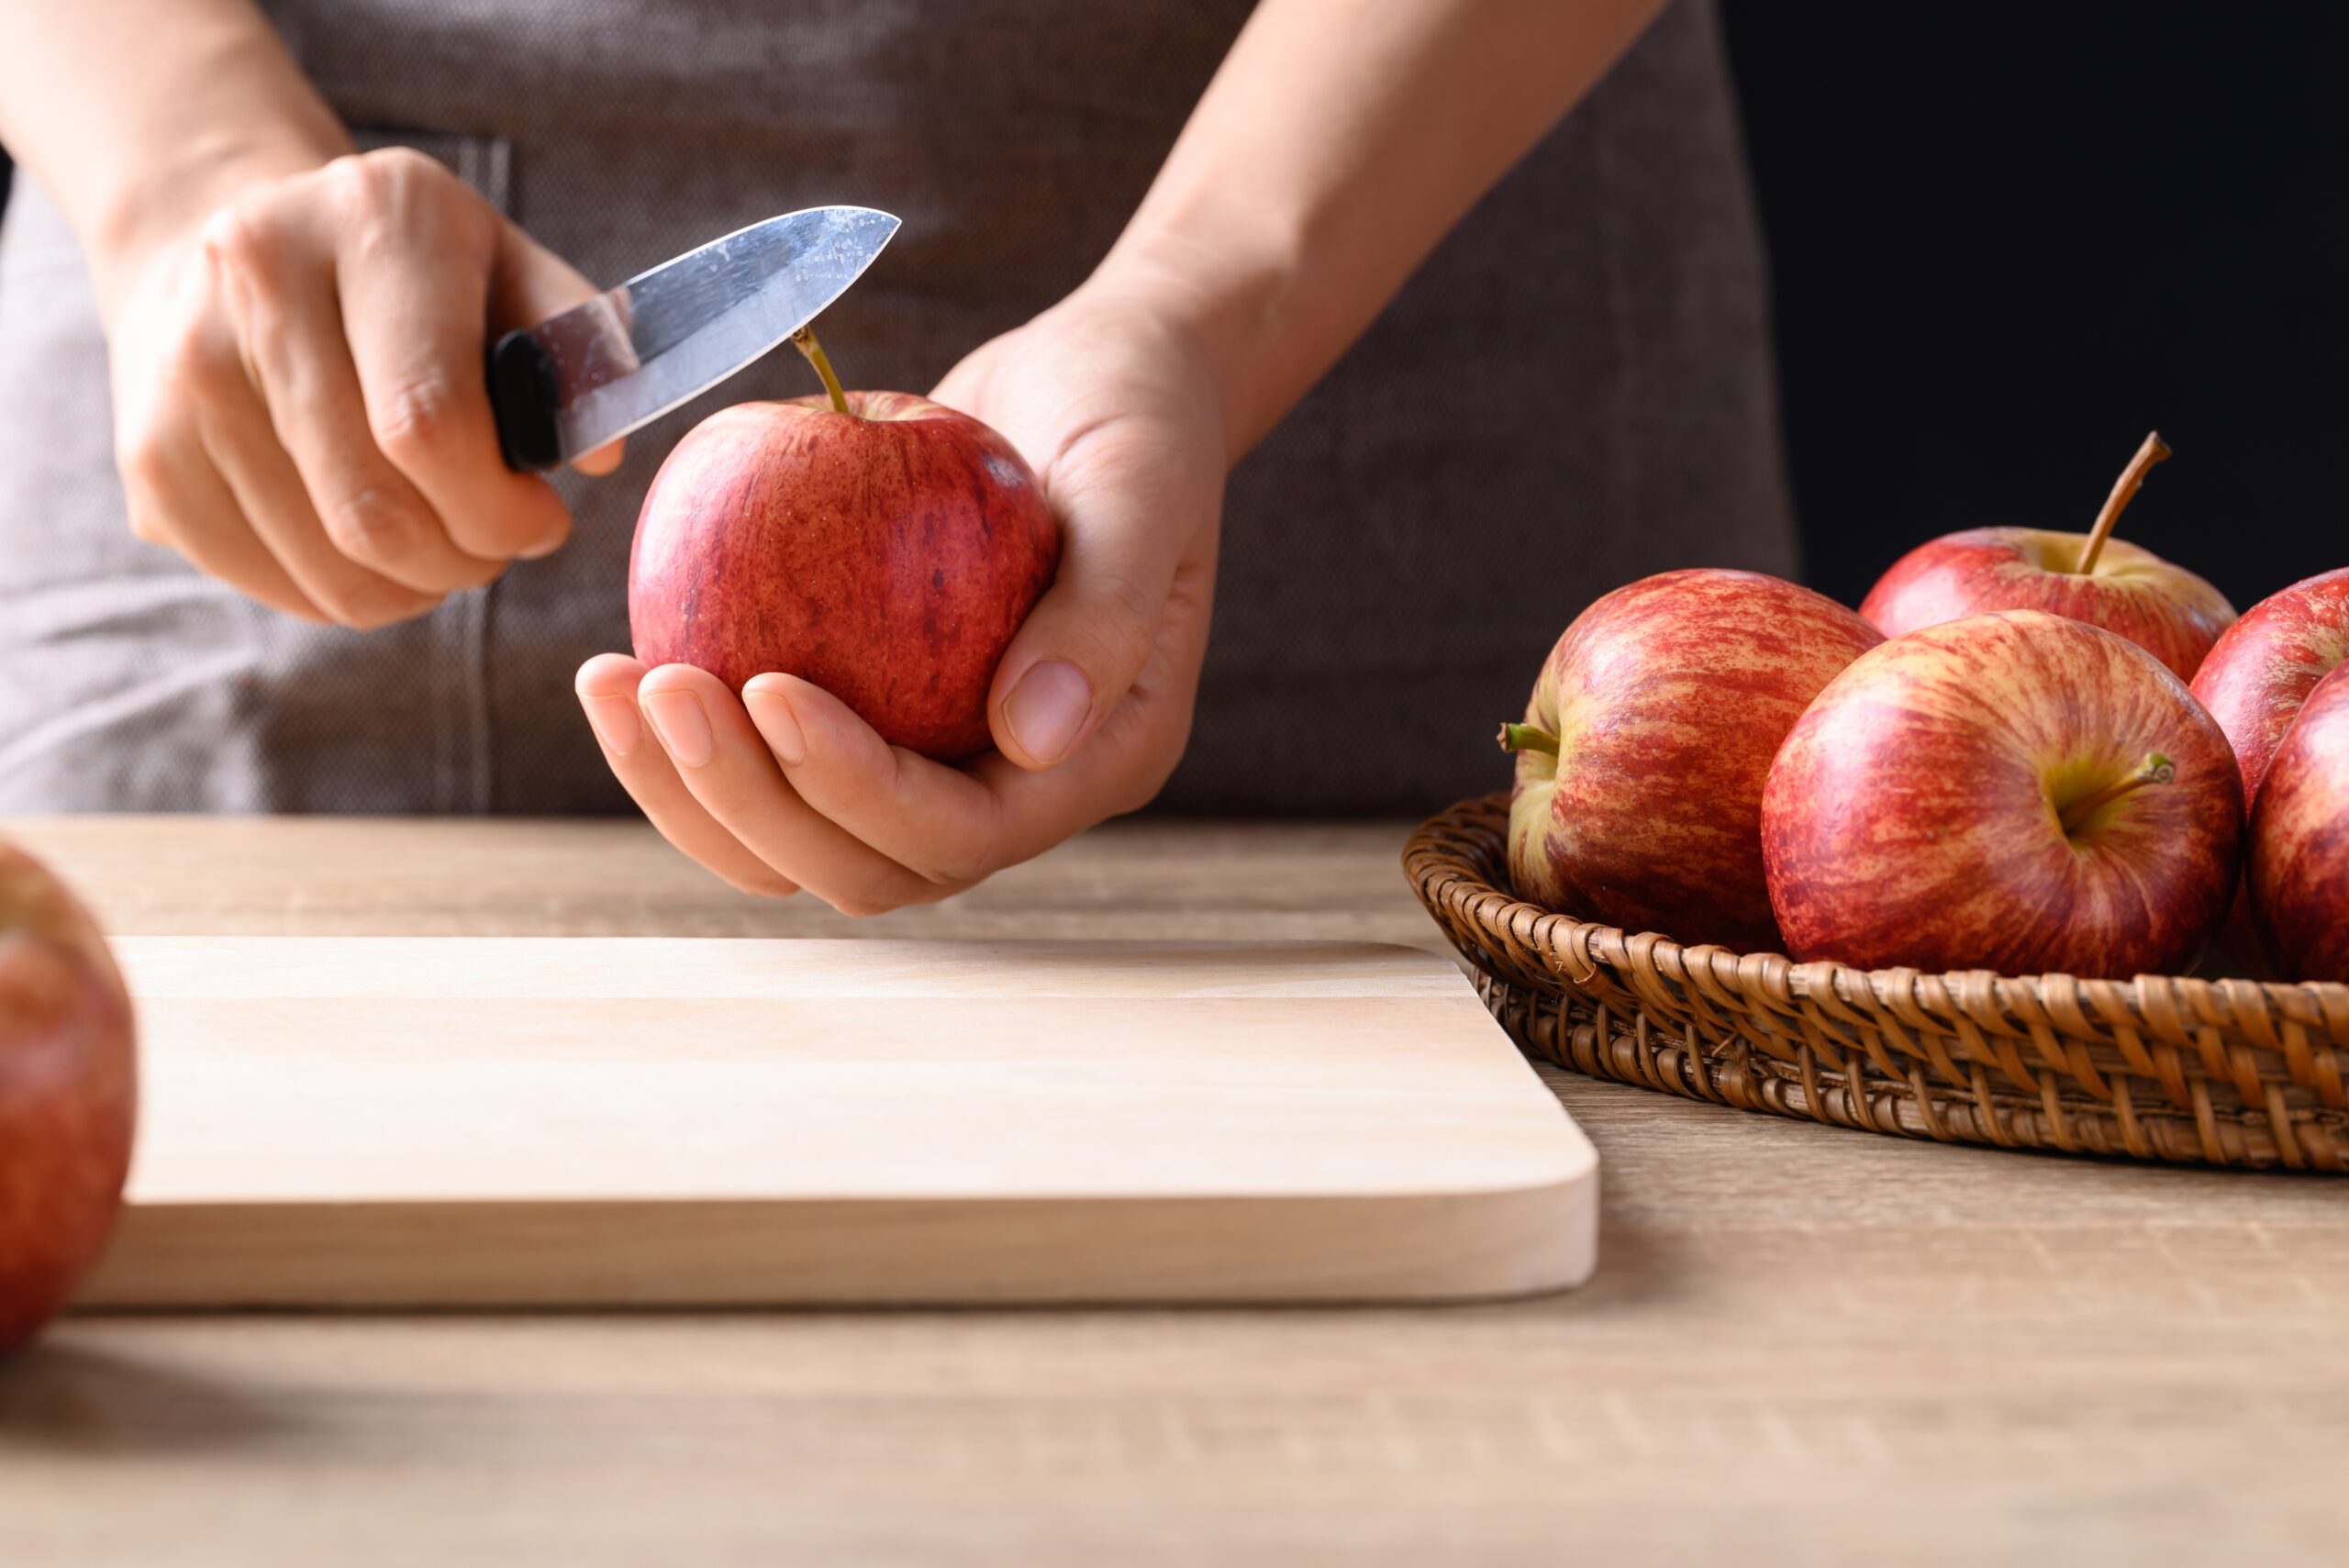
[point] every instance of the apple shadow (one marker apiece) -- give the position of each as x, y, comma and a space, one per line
63, 1395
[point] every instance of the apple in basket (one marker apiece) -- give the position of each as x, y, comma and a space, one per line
880, 545
2254, 682
1641, 757
2300, 841
2016, 791
2093, 577
68, 1093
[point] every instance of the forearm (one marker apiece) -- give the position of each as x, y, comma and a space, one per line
1337, 145
139, 116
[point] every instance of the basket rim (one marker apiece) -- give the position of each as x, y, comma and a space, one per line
1572, 944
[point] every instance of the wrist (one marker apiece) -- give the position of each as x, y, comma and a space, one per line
1234, 304
123, 227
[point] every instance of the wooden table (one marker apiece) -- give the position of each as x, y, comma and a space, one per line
1803, 1345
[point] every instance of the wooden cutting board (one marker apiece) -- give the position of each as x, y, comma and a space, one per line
479, 1121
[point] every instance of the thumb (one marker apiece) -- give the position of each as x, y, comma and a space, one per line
1088, 637
531, 283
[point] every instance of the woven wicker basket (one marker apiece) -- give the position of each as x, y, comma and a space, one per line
2222, 1071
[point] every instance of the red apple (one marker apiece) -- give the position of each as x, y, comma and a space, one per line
68, 1093
2016, 791
2298, 868
1640, 760
2253, 681
885, 549
2093, 577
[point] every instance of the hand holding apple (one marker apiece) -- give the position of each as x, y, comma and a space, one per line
68, 1093
1641, 757
881, 546
781, 785
2016, 791
2091, 577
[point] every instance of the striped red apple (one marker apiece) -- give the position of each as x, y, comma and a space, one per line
2254, 679
883, 546
2092, 577
2016, 791
1641, 757
2300, 841
68, 1093
2264, 668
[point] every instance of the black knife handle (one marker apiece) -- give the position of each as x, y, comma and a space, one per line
523, 397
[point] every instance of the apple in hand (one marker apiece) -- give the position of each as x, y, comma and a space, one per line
1640, 759
877, 544
2016, 791
68, 1093
2298, 864
2165, 609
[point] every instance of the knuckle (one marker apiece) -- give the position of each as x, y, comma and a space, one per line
248, 237
1130, 603
226, 235
373, 523
761, 883
354, 180
960, 867
953, 872
417, 418
147, 524
876, 895
396, 167
145, 466
205, 378
368, 181
369, 603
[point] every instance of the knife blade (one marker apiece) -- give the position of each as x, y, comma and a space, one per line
598, 371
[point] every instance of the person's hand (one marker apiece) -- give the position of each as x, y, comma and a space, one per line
299, 400
785, 788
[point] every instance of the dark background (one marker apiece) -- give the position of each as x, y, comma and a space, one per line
2008, 240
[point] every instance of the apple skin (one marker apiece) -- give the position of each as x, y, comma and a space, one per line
1669, 697
2258, 675
68, 1094
2161, 607
1912, 818
2298, 868
887, 554
2253, 681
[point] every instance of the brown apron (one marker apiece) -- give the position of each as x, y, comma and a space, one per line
1575, 390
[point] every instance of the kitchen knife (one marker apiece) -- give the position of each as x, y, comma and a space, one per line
632, 353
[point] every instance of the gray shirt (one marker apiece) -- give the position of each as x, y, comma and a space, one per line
1574, 391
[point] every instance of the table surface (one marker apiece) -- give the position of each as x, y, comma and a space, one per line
1803, 1345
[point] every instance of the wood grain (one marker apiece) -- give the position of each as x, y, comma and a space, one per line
583, 1121
1803, 1346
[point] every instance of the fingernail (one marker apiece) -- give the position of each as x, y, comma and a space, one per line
538, 552
683, 727
1047, 709
771, 711
614, 723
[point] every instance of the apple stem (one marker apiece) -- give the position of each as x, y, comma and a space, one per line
1527, 737
2156, 769
2152, 451
804, 342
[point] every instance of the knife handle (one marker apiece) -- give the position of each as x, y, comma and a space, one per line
523, 398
